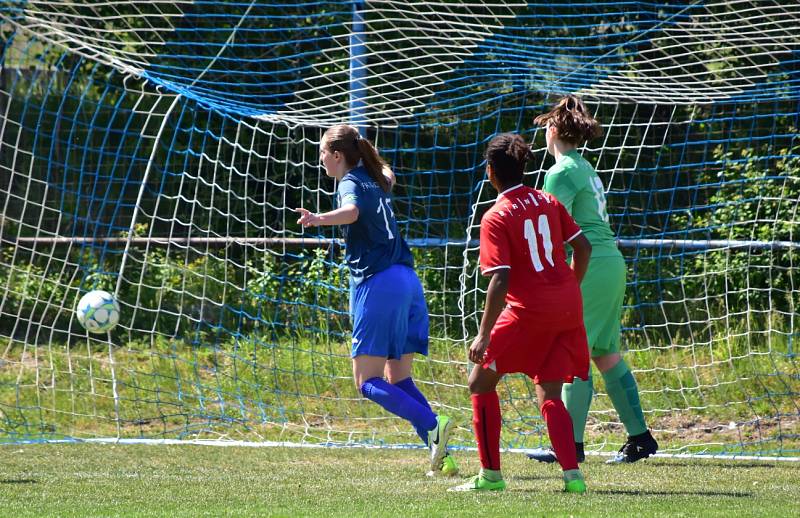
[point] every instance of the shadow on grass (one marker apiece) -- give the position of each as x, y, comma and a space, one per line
735, 464
18, 481
536, 477
637, 492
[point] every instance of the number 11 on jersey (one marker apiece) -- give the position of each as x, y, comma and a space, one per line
533, 245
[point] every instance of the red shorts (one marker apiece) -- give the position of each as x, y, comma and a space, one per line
545, 346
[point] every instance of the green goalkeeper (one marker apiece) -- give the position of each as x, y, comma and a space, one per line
576, 185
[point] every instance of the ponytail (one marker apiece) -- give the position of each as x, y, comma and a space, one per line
346, 140
373, 163
573, 122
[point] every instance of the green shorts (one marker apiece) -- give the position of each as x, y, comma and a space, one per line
603, 290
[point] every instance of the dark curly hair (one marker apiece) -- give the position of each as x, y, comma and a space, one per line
573, 122
507, 153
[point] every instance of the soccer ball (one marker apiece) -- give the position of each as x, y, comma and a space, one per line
97, 311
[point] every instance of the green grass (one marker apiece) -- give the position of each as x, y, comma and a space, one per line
141, 480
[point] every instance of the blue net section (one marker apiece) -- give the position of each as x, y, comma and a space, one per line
157, 150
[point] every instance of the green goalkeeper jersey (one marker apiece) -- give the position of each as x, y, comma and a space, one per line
576, 185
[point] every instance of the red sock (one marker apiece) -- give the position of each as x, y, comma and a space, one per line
559, 428
486, 422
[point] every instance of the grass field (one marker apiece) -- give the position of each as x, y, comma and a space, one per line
143, 480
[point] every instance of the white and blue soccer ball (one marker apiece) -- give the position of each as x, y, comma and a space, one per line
98, 312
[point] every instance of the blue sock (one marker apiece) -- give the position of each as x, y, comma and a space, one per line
399, 403
407, 385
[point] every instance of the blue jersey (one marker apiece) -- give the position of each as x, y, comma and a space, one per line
373, 241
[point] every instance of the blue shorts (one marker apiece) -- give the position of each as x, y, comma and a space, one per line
390, 317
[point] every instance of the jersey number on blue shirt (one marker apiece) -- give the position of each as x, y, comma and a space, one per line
386, 212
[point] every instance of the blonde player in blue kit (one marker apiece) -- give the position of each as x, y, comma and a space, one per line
387, 305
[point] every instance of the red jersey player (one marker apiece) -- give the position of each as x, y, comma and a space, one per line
533, 321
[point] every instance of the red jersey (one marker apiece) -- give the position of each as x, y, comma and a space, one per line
525, 231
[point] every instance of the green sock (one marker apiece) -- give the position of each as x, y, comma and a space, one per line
577, 398
624, 393
491, 475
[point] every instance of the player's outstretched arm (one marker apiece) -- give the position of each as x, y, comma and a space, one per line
342, 216
582, 252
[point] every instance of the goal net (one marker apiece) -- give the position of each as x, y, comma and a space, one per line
157, 150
